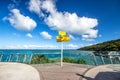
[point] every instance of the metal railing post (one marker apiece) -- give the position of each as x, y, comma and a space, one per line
24, 58
1, 57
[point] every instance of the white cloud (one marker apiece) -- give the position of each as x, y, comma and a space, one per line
20, 22
48, 6
35, 6
69, 22
13, 46
29, 35
87, 39
72, 23
72, 46
45, 35
72, 37
32, 46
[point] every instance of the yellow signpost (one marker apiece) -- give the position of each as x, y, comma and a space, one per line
63, 37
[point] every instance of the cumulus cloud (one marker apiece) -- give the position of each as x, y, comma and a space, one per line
29, 35
46, 35
69, 22
20, 22
48, 5
35, 6
72, 23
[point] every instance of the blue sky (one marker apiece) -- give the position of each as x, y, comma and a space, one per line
35, 23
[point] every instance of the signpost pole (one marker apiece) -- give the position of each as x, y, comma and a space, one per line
61, 54
63, 37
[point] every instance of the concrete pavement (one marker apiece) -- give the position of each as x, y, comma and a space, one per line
69, 71
103, 72
17, 71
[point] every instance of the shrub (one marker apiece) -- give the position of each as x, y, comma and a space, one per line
41, 59
37, 58
67, 60
81, 61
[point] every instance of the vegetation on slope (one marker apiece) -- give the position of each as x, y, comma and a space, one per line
113, 45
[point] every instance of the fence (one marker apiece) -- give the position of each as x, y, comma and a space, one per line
89, 57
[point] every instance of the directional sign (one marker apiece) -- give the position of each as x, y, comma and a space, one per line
62, 33
63, 37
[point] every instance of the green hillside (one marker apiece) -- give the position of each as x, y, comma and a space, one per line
113, 45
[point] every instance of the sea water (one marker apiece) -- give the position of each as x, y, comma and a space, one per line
11, 55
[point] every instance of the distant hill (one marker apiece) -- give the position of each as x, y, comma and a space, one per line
113, 45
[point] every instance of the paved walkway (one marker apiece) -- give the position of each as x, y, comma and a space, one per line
17, 71
104, 72
67, 72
